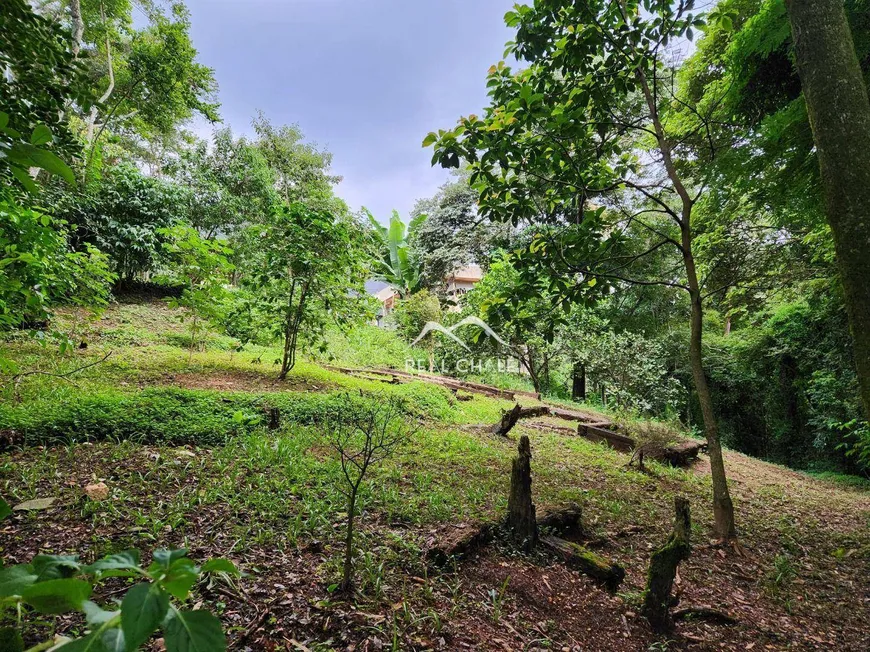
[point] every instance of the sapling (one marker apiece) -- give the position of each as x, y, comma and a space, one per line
364, 431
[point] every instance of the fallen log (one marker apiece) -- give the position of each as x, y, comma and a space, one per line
562, 430
510, 417
612, 439
508, 420
568, 520
680, 454
587, 562
571, 415
459, 544
704, 613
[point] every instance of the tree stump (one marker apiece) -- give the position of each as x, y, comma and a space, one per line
521, 510
657, 600
274, 418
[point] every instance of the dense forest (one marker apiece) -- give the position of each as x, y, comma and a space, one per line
667, 208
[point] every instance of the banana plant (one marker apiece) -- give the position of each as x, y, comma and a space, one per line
397, 263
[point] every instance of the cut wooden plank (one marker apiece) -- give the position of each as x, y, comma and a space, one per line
612, 439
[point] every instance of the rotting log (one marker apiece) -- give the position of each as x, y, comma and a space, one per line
612, 439
510, 417
568, 520
521, 520
508, 420
680, 454
587, 562
657, 599
459, 544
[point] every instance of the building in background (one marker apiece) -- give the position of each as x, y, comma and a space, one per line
457, 285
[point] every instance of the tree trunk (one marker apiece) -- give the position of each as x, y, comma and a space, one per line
657, 600
839, 112
347, 576
521, 510
78, 26
723, 508
578, 382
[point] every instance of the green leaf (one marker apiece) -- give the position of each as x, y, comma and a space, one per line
15, 579
220, 566
53, 567
40, 136
142, 610
127, 560
430, 139
10, 640
4, 119
95, 614
181, 577
5, 509
166, 557
194, 631
50, 162
57, 596
113, 640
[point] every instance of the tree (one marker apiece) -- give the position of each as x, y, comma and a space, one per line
364, 432
411, 315
228, 183
397, 263
125, 216
303, 267
201, 265
453, 235
301, 170
839, 111
582, 139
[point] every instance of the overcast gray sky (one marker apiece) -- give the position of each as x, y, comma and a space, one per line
367, 79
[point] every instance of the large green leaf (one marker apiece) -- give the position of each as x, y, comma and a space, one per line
127, 560
90, 643
48, 161
40, 136
15, 579
194, 631
181, 577
165, 557
53, 567
5, 509
142, 610
219, 565
57, 596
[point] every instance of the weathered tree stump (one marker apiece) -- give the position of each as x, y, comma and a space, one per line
274, 418
521, 510
657, 599
568, 520
587, 562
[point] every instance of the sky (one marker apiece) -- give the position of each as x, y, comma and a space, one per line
366, 79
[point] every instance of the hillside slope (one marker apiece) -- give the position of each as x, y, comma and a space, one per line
162, 430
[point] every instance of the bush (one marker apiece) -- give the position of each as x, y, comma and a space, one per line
179, 416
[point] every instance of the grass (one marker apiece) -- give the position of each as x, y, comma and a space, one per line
184, 448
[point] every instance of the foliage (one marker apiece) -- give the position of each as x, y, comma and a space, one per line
364, 432
126, 216
452, 235
228, 182
396, 262
201, 265
59, 584
40, 78
40, 271
304, 268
